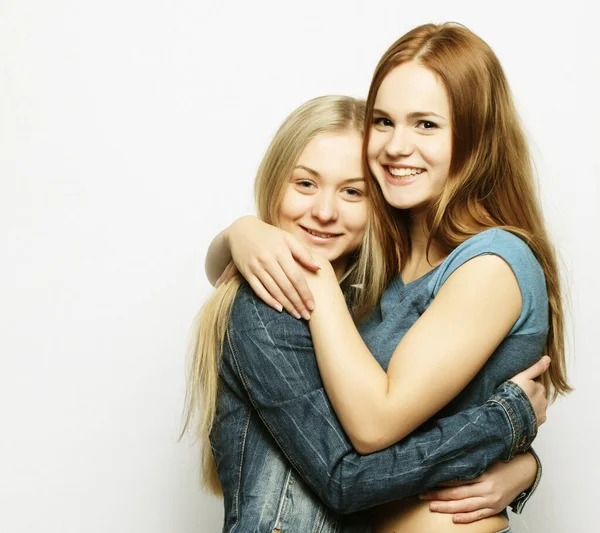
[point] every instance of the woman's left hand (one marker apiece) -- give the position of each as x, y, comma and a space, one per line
486, 495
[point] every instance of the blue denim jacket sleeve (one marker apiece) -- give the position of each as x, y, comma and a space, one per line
274, 358
518, 504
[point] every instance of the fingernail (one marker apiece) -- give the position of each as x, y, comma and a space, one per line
296, 314
279, 307
433, 507
306, 315
311, 305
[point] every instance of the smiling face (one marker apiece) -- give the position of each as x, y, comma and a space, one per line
324, 203
410, 144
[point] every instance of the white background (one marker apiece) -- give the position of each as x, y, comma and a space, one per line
130, 132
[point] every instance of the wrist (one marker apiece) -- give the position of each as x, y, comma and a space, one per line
528, 466
321, 260
520, 414
519, 502
238, 230
324, 278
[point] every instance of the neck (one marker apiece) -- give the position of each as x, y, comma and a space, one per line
419, 234
419, 262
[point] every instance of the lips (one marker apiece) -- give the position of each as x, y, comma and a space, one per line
404, 171
320, 234
402, 175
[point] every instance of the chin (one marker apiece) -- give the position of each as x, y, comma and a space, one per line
405, 201
399, 203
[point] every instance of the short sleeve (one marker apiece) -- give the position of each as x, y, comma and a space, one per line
526, 268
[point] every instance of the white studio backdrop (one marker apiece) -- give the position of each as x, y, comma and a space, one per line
130, 132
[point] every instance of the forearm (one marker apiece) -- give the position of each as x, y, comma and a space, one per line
218, 256
359, 393
374, 412
440, 353
459, 447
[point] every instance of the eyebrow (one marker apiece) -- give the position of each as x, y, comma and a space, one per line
309, 170
317, 175
414, 114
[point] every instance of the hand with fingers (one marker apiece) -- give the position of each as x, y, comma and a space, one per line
486, 495
491, 492
271, 260
535, 390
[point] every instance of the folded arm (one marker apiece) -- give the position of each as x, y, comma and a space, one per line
274, 358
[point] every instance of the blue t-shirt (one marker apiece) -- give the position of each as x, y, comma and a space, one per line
402, 305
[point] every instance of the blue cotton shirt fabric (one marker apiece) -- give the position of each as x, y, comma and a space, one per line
402, 305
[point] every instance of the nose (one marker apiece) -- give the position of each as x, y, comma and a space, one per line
324, 207
399, 144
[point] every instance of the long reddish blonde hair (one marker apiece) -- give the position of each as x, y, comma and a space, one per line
491, 180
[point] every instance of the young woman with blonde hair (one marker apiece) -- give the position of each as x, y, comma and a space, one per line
475, 297
308, 135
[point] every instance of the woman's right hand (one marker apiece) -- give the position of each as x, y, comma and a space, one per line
535, 390
269, 258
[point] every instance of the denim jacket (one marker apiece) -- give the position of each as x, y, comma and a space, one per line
284, 461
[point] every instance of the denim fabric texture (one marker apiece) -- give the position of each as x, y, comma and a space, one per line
283, 459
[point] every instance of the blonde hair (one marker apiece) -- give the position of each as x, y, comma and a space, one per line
324, 114
491, 179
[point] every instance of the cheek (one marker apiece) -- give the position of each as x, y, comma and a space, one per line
440, 156
440, 152
376, 143
356, 220
293, 205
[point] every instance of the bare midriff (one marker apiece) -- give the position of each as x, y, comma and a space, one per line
413, 516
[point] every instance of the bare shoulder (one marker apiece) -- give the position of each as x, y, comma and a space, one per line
483, 282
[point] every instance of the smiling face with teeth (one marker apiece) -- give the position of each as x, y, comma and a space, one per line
324, 204
410, 144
